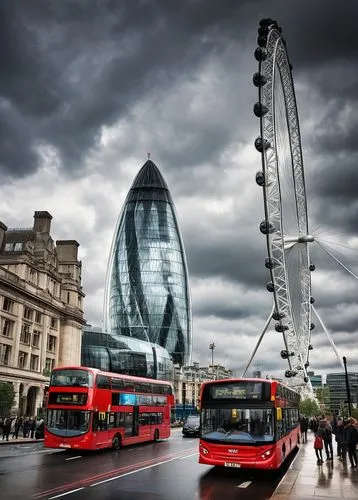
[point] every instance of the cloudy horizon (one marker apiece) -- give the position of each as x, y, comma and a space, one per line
89, 88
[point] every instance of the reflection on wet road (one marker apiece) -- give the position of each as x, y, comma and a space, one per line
163, 470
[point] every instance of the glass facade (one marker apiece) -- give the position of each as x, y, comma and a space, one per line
120, 354
147, 291
338, 390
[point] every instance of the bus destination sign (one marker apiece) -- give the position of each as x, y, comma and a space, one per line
237, 390
67, 398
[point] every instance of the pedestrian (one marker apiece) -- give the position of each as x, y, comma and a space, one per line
6, 429
17, 427
318, 447
351, 438
338, 431
32, 427
314, 424
26, 427
304, 428
327, 440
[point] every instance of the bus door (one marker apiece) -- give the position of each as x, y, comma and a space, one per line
135, 420
131, 422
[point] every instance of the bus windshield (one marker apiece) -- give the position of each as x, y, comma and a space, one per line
71, 378
68, 423
237, 425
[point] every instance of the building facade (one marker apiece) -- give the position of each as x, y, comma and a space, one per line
187, 383
120, 354
41, 309
336, 383
316, 380
147, 290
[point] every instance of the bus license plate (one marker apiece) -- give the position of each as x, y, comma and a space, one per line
63, 445
232, 464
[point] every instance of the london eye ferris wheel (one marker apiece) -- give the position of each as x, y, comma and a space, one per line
285, 225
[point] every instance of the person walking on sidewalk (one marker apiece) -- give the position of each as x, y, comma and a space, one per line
338, 431
351, 438
304, 428
325, 429
318, 447
6, 429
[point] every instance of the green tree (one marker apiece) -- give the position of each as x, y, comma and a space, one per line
309, 407
322, 394
7, 397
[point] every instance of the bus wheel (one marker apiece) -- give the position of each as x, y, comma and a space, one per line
116, 443
156, 435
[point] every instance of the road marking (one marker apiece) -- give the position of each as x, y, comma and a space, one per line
244, 485
187, 456
67, 493
73, 458
133, 472
87, 480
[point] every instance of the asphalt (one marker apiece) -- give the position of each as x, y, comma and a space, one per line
305, 480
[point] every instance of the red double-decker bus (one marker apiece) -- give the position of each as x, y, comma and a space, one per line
248, 423
89, 409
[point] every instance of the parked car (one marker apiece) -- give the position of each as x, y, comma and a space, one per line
191, 426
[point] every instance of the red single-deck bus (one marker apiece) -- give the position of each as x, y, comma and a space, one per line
251, 423
88, 409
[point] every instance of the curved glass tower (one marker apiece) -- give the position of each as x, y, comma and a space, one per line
147, 291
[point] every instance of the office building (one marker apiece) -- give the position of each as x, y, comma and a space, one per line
147, 290
336, 383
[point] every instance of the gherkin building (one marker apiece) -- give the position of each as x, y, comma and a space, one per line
147, 293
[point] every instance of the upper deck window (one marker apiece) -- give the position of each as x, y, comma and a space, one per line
71, 378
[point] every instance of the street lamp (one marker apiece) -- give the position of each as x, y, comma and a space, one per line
212, 347
347, 386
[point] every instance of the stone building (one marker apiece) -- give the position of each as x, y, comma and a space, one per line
41, 309
187, 382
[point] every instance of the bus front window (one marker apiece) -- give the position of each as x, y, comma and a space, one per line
71, 378
68, 423
237, 424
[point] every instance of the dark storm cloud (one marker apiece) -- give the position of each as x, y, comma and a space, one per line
72, 66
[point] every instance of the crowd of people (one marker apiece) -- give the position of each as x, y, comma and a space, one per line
345, 432
30, 427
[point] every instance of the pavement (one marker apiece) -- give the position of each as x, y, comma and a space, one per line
19, 440
305, 480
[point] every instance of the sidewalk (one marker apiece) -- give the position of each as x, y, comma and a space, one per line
305, 480
19, 440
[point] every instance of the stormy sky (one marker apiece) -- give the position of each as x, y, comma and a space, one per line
88, 87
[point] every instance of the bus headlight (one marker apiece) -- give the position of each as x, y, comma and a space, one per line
267, 454
203, 450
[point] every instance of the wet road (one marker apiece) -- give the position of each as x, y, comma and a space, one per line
154, 471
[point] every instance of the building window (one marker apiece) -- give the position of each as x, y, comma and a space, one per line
7, 328
5, 353
36, 338
38, 317
51, 343
34, 362
9, 247
22, 361
25, 336
49, 364
18, 247
8, 305
54, 323
28, 313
